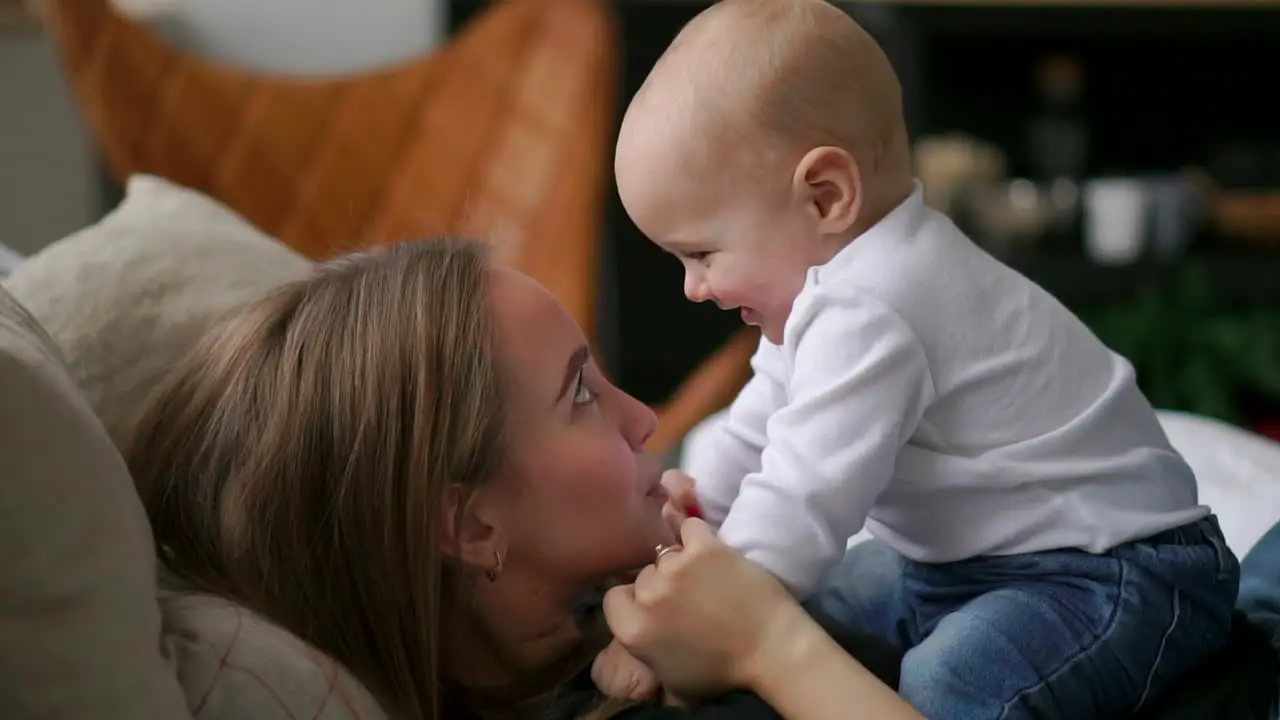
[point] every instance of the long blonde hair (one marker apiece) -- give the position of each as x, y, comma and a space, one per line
296, 460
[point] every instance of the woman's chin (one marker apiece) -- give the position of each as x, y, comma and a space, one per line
650, 531
661, 532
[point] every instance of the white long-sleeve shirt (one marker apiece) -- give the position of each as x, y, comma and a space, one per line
953, 407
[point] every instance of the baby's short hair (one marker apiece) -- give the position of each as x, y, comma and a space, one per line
800, 69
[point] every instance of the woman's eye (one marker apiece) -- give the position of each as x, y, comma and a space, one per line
582, 395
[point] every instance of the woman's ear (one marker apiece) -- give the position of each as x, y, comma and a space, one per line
829, 183
470, 531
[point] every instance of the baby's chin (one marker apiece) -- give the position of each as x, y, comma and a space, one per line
772, 326
754, 317
771, 333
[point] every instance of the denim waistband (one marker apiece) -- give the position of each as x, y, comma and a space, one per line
1206, 529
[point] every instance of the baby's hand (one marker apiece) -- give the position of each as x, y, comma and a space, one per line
682, 503
617, 673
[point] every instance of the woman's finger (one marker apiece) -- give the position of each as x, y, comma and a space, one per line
620, 611
645, 577
649, 587
665, 552
619, 596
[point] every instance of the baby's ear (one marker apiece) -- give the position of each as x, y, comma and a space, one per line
830, 185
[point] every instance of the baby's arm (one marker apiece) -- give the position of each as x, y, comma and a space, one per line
859, 386
731, 449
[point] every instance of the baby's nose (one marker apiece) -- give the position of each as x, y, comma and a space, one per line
695, 288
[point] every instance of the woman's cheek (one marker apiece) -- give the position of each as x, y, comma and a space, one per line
616, 480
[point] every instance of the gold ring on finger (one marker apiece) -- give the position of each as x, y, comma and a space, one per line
662, 549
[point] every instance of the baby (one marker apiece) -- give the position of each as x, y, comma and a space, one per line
1042, 551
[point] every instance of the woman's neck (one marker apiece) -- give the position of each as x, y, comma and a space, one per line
514, 639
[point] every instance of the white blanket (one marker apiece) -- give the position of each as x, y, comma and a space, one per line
1239, 474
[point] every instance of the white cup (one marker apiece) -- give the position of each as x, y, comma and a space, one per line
1115, 227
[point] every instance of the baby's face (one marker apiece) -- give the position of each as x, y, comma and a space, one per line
745, 245
731, 218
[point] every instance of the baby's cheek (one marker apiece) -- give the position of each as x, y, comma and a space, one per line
758, 291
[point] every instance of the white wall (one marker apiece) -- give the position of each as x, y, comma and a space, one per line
48, 181
304, 36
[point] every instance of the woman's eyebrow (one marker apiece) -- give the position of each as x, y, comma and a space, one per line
576, 362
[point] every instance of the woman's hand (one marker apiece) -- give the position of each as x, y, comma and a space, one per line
700, 616
618, 674
706, 620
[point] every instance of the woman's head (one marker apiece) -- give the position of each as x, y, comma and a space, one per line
407, 460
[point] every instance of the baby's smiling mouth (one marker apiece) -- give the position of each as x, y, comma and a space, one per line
750, 316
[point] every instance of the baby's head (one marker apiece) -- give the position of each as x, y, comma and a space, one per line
767, 137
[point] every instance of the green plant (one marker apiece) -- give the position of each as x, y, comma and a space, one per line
1192, 352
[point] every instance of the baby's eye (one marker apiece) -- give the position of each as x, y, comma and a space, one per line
582, 395
698, 256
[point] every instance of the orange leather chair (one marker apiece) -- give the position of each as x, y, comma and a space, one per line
504, 133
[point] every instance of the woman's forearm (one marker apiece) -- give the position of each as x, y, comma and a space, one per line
804, 675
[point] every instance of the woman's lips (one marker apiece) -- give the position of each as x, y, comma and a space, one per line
657, 492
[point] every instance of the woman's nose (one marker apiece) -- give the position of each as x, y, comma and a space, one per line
638, 421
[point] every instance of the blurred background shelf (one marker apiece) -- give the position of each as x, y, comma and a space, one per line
1206, 4
1233, 276
1168, 85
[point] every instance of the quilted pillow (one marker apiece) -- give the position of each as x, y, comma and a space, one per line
234, 665
125, 299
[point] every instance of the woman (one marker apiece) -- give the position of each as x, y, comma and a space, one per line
411, 461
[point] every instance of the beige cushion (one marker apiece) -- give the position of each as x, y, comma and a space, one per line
79, 626
234, 665
124, 299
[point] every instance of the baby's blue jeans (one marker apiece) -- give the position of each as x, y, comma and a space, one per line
1059, 634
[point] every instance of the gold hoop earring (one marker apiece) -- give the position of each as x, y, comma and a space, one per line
492, 573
